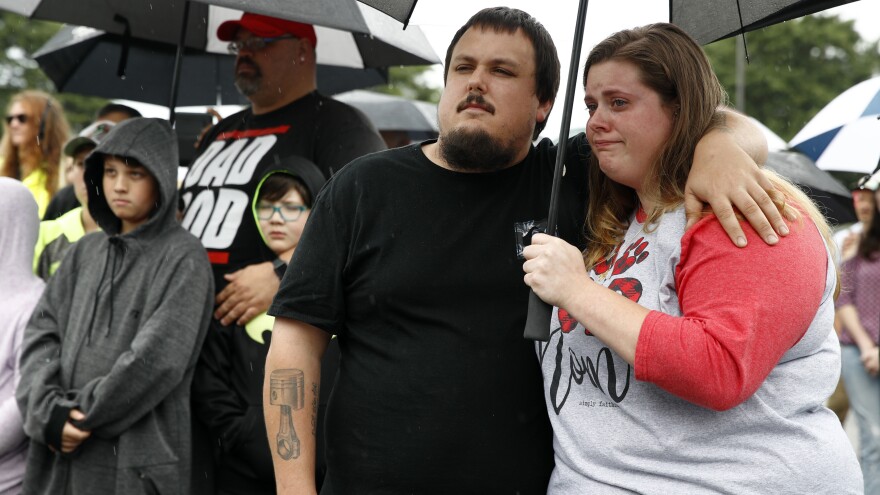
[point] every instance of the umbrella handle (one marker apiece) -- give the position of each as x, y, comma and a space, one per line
538, 321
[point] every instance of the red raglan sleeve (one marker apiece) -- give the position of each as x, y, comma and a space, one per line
743, 308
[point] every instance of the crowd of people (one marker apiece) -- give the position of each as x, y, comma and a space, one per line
309, 312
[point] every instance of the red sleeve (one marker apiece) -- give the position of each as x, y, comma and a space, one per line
743, 309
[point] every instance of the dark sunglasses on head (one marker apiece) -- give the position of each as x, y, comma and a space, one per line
21, 118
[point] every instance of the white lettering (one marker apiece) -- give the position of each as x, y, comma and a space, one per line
247, 161
216, 171
195, 171
198, 213
225, 219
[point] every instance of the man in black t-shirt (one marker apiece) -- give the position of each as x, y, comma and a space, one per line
275, 68
410, 257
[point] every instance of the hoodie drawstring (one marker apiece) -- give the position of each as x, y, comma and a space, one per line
120, 248
116, 245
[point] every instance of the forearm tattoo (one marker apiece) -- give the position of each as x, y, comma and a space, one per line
286, 389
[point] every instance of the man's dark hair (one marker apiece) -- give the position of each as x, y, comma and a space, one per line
508, 20
114, 108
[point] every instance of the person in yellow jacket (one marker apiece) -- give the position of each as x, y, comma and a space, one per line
34, 132
56, 236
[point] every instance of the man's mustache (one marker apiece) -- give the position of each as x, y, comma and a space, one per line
247, 61
475, 99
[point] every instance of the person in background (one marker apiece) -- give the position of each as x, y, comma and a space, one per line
19, 293
437, 391
858, 310
276, 70
228, 384
116, 113
34, 132
56, 236
110, 350
847, 241
66, 199
677, 362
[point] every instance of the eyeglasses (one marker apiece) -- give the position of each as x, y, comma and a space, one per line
254, 44
21, 118
289, 213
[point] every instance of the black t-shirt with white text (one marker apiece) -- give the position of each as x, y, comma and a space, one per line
415, 268
236, 154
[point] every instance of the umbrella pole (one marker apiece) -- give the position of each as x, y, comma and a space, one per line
178, 60
538, 320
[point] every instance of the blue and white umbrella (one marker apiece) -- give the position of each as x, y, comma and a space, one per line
845, 135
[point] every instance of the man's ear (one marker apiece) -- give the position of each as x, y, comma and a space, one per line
306, 51
543, 110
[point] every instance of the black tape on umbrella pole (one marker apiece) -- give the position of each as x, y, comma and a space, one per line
538, 320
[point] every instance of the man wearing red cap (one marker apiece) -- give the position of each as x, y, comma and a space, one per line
275, 68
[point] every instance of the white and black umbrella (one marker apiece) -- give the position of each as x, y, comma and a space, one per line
160, 20
369, 38
845, 134
87, 61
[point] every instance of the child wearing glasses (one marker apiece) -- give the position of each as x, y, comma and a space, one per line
233, 356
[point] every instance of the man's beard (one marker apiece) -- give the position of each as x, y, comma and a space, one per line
248, 85
475, 150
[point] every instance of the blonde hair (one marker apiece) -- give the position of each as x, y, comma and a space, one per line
44, 152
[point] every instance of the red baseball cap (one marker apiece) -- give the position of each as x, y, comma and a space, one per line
266, 27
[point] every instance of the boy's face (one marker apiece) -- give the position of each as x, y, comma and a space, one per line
131, 192
282, 222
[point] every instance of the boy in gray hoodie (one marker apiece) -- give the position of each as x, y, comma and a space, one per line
109, 353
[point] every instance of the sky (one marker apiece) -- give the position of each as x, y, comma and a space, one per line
440, 19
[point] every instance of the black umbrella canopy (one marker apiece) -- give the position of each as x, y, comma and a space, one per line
398, 9
831, 196
711, 20
395, 113
87, 61
158, 20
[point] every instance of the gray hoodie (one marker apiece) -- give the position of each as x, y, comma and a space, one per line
20, 290
116, 335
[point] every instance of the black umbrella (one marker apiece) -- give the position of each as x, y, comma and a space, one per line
712, 20
160, 20
90, 62
192, 24
830, 195
395, 113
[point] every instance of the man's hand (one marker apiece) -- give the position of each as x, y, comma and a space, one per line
249, 293
727, 178
71, 436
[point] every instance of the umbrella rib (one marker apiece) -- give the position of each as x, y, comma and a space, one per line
742, 31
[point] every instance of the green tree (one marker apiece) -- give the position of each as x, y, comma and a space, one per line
21, 37
409, 82
796, 68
